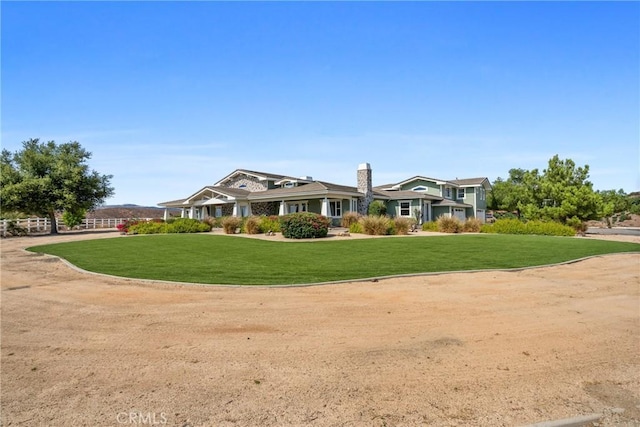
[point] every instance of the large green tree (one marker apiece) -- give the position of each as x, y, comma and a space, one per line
561, 193
47, 178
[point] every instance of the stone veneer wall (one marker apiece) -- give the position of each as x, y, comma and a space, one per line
227, 209
365, 186
250, 183
265, 208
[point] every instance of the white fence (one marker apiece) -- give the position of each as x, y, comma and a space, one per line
35, 225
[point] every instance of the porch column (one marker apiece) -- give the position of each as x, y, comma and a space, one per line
235, 209
324, 211
165, 215
283, 208
249, 213
192, 213
183, 213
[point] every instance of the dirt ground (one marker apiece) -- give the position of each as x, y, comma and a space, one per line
474, 349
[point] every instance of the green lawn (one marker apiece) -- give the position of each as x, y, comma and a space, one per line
232, 260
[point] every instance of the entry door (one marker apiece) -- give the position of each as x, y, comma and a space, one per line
426, 212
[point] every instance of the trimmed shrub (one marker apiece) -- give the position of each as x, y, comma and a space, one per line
514, 226
430, 226
270, 223
377, 208
252, 225
403, 225
472, 225
349, 218
304, 225
230, 224
149, 227
188, 225
448, 224
376, 225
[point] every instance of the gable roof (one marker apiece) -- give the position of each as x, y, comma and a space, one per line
314, 188
262, 176
405, 194
415, 178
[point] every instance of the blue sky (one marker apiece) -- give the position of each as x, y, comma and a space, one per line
172, 96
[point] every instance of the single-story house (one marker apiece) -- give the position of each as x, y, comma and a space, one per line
244, 193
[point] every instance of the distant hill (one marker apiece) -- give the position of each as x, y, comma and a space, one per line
130, 211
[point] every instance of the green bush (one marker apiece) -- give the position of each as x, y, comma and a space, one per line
230, 224
514, 226
270, 224
449, 224
377, 208
403, 225
376, 225
252, 225
149, 227
430, 226
349, 218
356, 227
188, 225
472, 225
304, 225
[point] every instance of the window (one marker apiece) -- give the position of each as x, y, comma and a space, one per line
244, 211
419, 188
354, 205
335, 208
405, 208
460, 193
289, 185
447, 192
297, 207
218, 211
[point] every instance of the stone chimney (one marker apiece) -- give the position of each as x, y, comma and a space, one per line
365, 187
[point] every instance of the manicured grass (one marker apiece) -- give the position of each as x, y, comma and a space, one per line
233, 260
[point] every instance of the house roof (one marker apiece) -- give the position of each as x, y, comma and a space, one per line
452, 203
467, 182
471, 182
263, 176
312, 189
415, 178
172, 203
406, 194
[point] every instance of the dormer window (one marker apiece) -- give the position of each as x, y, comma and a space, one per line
289, 185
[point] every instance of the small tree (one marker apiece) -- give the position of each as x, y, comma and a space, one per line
45, 178
73, 217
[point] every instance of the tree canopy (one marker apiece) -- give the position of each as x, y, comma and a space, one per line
562, 192
46, 178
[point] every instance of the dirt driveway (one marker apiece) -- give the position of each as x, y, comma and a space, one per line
493, 348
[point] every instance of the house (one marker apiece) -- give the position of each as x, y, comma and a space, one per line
245, 192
